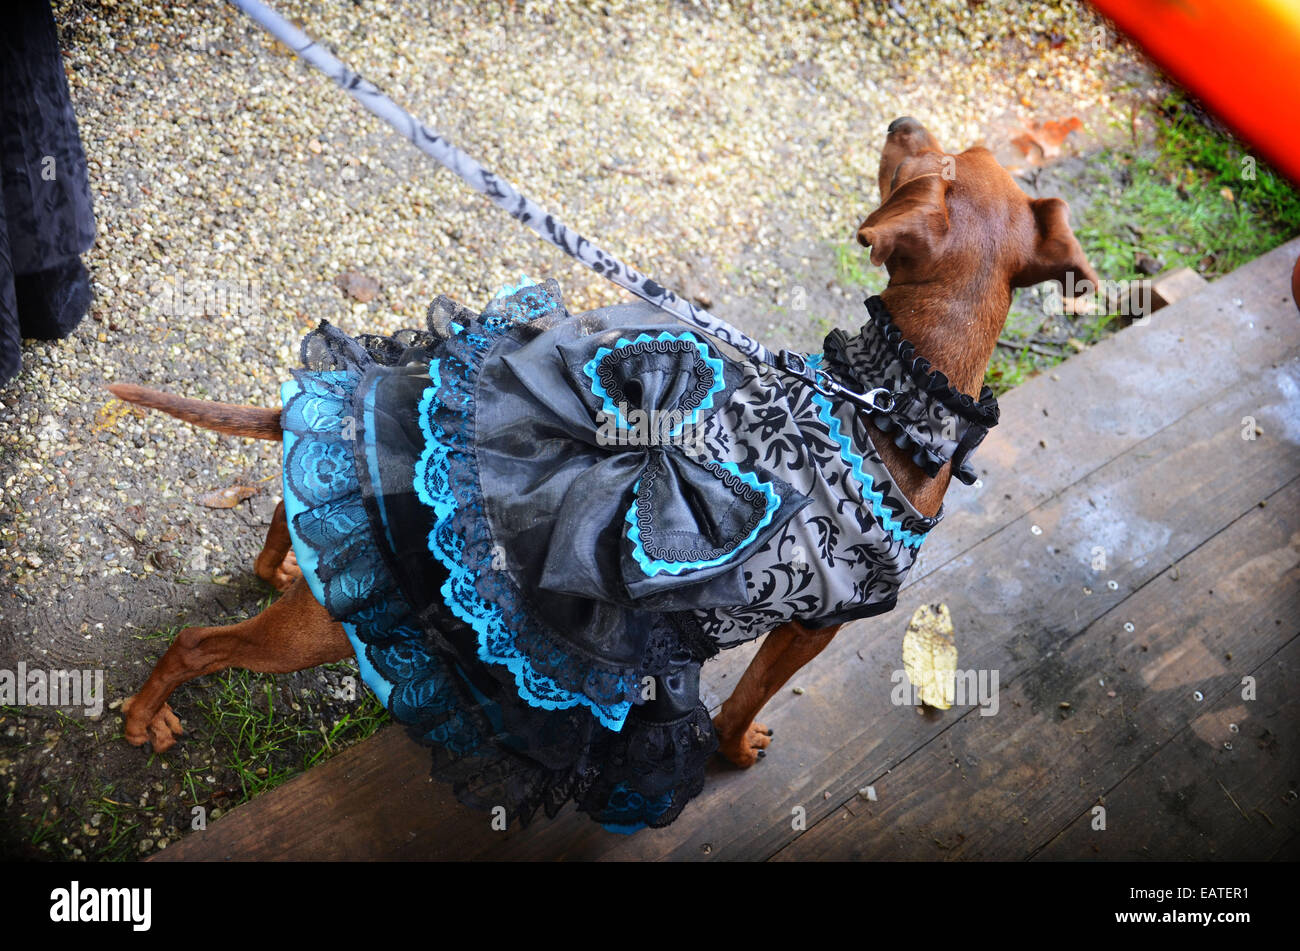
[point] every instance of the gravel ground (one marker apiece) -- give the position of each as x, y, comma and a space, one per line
729, 151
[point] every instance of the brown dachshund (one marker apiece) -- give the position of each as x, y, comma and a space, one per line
956, 234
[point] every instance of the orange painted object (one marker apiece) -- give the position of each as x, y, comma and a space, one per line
1239, 57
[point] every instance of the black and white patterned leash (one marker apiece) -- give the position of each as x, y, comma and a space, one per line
525, 210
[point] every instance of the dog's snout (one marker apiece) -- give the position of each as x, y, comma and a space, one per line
903, 124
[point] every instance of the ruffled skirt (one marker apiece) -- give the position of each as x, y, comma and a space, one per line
450, 510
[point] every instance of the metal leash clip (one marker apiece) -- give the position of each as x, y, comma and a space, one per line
878, 400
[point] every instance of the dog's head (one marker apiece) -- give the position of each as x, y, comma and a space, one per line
961, 218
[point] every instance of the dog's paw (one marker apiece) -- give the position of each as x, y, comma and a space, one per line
283, 574
161, 731
744, 750
286, 573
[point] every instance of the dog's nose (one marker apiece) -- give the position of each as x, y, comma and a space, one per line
903, 124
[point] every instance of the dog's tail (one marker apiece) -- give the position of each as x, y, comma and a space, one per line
255, 422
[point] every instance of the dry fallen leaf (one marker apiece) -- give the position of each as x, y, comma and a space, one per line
930, 655
227, 498
1042, 140
358, 286
111, 413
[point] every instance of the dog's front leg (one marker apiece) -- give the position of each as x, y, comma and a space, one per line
786, 650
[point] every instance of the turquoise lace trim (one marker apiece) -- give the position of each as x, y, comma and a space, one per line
628, 811
616, 412
496, 638
323, 497
654, 566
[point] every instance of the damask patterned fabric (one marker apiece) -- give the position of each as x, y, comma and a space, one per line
46, 217
535, 527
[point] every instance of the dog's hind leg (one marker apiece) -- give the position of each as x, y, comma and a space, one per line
294, 633
277, 565
741, 738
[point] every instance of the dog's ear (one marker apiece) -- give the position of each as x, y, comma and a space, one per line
1056, 252
911, 222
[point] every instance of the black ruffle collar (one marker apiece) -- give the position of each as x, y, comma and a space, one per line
934, 383
930, 416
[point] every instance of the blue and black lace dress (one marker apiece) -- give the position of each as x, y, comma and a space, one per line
535, 527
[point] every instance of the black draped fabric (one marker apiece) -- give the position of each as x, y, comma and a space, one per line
46, 216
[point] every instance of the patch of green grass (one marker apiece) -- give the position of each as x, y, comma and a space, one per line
246, 733
263, 739
49, 826
46, 828
117, 825
266, 733
1009, 368
107, 822
1194, 197
852, 269
352, 726
1199, 200
1192, 143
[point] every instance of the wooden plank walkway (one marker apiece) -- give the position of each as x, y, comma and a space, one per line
1120, 687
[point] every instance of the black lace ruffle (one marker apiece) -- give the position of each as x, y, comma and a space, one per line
934, 383
550, 657
931, 418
